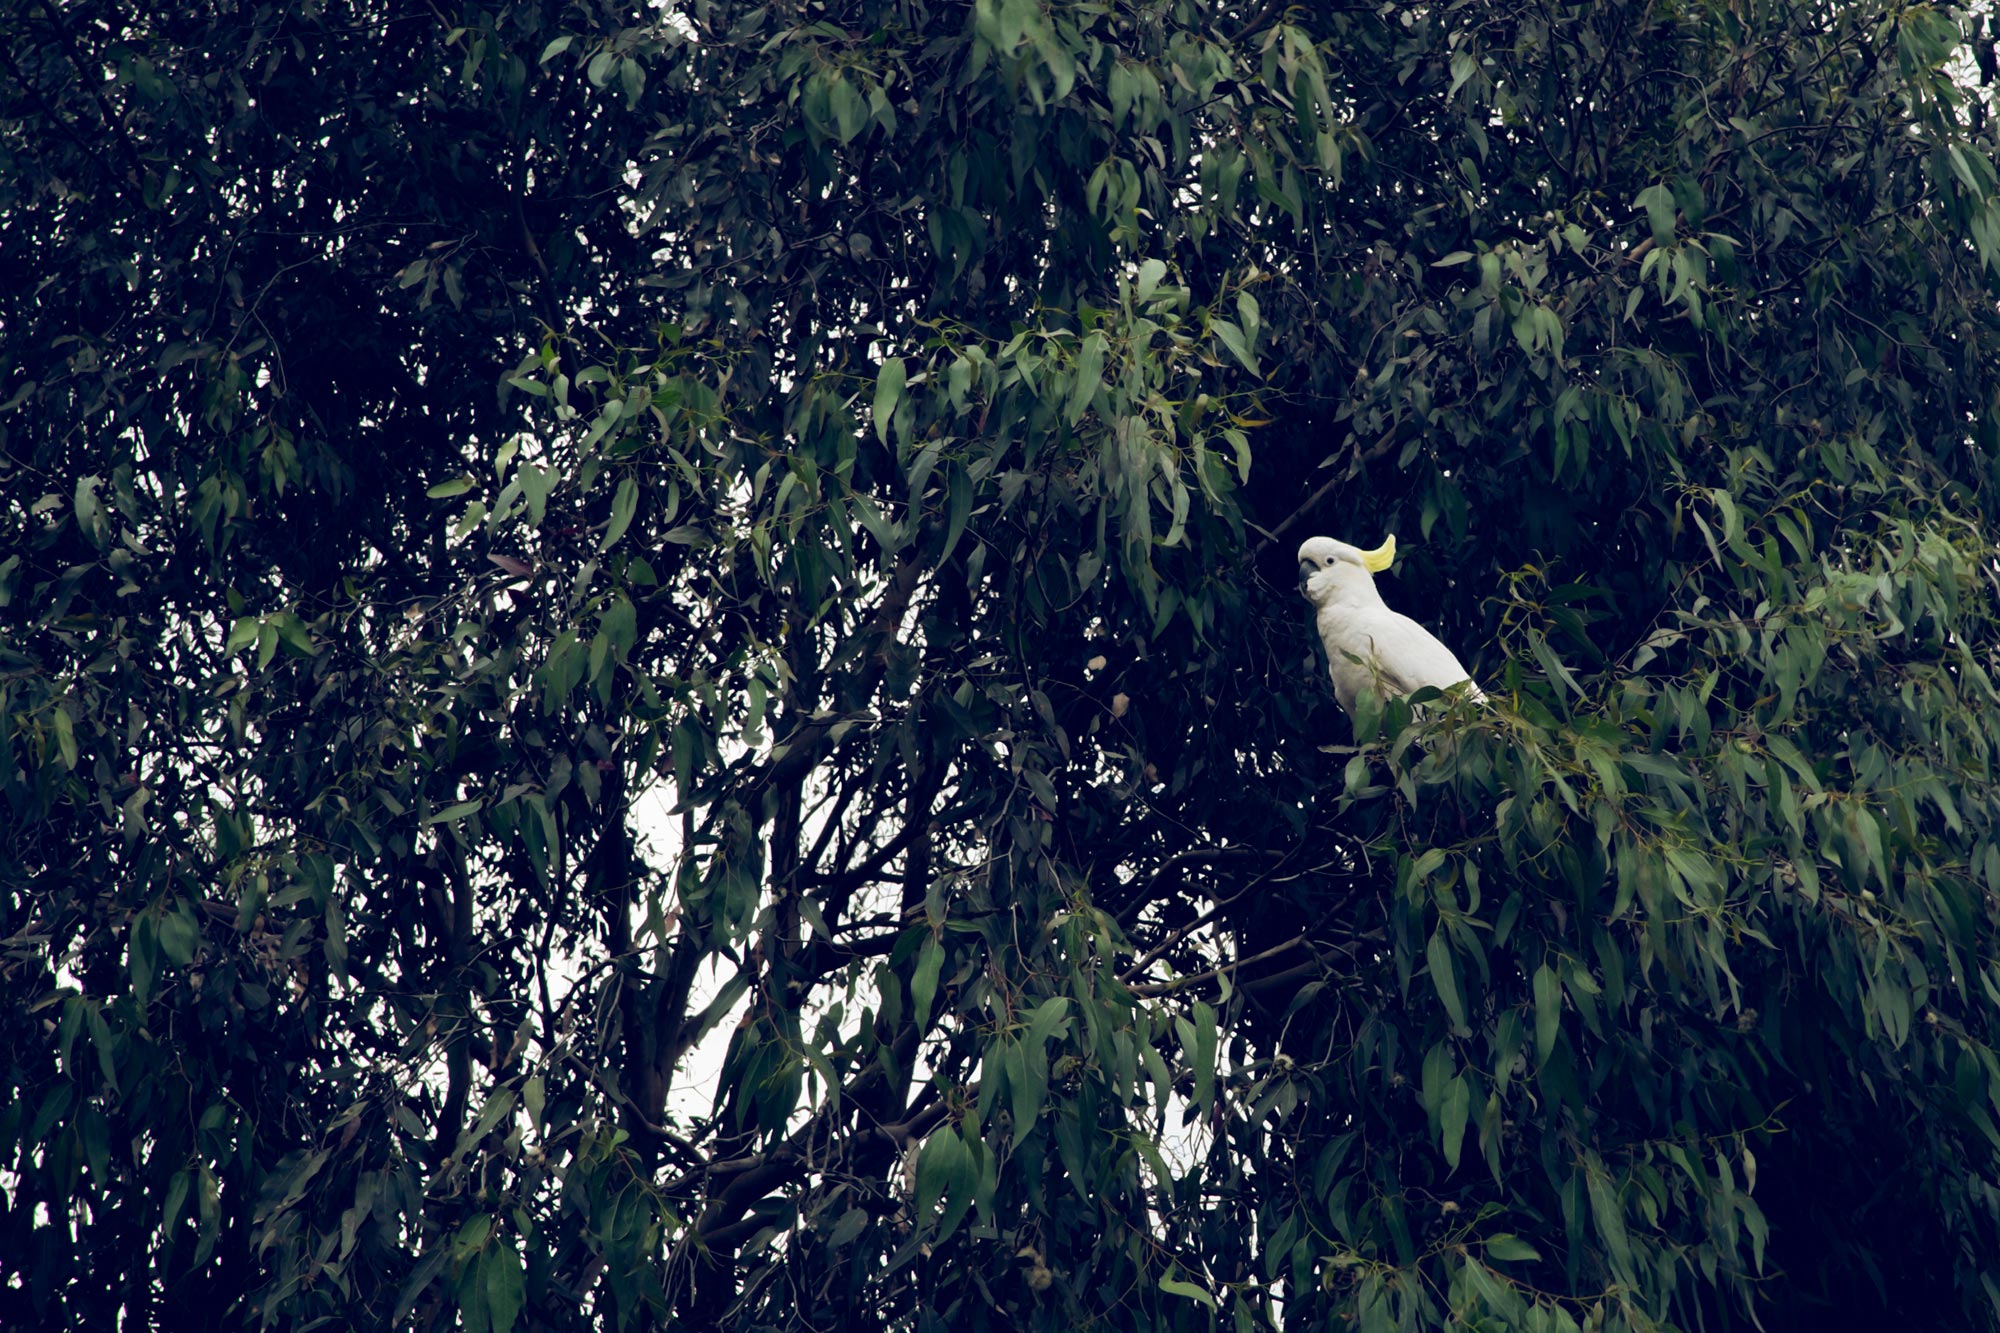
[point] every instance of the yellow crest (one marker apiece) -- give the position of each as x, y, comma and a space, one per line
1381, 557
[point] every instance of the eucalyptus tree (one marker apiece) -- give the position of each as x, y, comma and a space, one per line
652, 676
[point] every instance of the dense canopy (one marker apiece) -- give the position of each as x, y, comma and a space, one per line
651, 673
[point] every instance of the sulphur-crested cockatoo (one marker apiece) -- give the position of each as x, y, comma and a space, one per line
1368, 646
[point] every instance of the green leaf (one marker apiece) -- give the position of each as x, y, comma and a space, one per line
178, 937
1249, 317
924, 982
1088, 565
104, 1044
65, 730
537, 483
1508, 1248
1439, 1067
498, 1105
623, 506
1463, 67
1202, 1057
958, 510
1179, 1287
1610, 1216
504, 1283
293, 634
419, 1280
1452, 1115
472, 1235
1444, 976
444, 490
1156, 1073
177, 1192
1548, 1011
1658, 201
944, 1167
852, 1223
1027, 1088
1050, 1018
850, 109
452, 813
1239, 346
90, 517
888, 394
143, 957
1088, 377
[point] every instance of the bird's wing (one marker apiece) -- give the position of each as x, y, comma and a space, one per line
1410, 656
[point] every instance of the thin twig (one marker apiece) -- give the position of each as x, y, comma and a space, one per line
1168, 987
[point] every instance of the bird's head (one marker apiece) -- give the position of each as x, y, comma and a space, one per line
1325, 566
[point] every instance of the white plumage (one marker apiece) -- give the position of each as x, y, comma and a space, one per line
1368, 646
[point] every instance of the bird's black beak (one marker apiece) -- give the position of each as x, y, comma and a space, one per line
1306, 571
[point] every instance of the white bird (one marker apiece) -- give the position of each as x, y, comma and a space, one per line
1368, 646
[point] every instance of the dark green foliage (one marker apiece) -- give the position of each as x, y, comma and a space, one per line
541, 557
